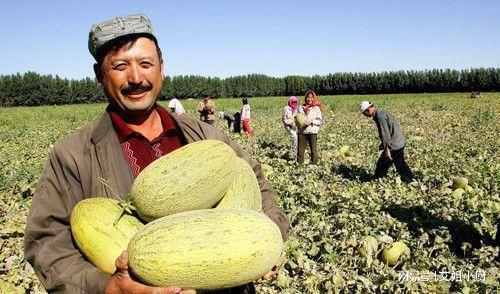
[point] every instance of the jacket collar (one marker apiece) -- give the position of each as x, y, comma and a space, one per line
112, 163
102, 127
189, 128
190, 131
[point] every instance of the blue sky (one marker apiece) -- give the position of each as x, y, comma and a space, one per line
277, 38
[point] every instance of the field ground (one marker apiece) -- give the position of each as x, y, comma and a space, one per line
332, 205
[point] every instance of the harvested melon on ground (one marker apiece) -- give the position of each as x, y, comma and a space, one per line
345, 151
101, 231
458, 192
195, 176
245, 190
397, 253
368, 246
460, 183
206, 249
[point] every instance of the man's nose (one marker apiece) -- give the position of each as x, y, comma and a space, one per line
135, 75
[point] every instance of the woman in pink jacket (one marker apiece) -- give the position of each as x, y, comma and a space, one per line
288, 118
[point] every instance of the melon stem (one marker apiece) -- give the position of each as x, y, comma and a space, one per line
127, 207
125, 203
122, 211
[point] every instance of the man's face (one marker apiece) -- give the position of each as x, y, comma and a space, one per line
370, 111
132, 77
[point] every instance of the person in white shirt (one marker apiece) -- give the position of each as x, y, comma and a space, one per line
288, 118
308, 134
175, 106
245, 118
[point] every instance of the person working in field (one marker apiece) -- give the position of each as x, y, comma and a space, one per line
308, 133
176, 107
206, 108
392, 142
245, 118
132, 132
288, 118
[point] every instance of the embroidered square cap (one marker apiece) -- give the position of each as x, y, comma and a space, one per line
102, 33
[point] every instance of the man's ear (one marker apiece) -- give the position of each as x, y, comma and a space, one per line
162, 68
97, 72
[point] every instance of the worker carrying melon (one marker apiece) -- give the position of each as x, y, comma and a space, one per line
206, 108
132, 132
392, 142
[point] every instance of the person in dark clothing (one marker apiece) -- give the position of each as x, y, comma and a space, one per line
227, 117
392, 140
237, 123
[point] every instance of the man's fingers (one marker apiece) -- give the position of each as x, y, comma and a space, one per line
121, 262
137, 287
122, 274
388, 154
270, 275
166, 290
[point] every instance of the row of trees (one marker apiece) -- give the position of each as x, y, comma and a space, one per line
33, 89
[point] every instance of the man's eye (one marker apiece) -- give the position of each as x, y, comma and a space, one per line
120, 66
146, 64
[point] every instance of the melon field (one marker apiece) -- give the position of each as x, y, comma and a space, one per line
452, 236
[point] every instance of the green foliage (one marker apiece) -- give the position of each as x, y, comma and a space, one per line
33, 89
331, 206
482, 117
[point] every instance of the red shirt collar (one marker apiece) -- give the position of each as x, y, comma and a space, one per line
123, 131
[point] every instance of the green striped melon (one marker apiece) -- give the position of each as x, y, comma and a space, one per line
460, 183
95, 234
206, 249
300, 119
195, 176
245, 190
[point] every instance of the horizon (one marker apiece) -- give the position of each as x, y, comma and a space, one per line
273, 38
279, 77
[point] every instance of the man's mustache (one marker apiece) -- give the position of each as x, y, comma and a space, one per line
136, 88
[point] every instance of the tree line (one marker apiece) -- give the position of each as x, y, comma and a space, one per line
31, 89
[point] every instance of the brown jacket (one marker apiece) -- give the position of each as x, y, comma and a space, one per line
206, 110
72, 173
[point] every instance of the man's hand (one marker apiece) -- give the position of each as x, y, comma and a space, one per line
121, 282
388, 153
273, 273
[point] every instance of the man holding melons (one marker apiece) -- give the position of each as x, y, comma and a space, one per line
130, 134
